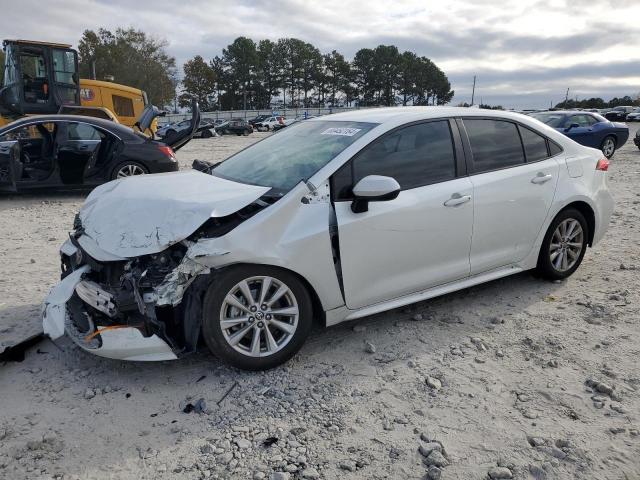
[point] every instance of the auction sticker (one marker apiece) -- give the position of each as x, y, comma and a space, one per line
346, 132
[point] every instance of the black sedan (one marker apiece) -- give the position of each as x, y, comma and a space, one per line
71, 151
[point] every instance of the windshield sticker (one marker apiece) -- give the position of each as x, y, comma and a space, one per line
346, 132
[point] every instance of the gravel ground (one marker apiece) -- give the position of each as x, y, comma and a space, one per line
518, 378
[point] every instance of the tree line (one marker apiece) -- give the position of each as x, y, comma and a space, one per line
596, 102
293, 73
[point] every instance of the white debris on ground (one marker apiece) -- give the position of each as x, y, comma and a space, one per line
518, 378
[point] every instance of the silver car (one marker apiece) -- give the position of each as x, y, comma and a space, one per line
332, 219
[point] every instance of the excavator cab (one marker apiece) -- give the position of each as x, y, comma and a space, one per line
39, 78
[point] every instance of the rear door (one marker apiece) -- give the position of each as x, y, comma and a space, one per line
78, 146
514, 181
421, 238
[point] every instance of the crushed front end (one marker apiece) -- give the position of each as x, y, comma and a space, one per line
129, 309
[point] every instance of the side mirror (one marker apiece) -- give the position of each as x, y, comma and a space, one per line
373, 188
573, 125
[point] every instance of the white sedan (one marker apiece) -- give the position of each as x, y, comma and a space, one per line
332, 219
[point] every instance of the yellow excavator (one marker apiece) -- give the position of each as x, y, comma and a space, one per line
42, 78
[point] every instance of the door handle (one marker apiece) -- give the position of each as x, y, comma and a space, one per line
541, 178
456, 200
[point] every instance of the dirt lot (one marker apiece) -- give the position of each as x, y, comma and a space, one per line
519, 377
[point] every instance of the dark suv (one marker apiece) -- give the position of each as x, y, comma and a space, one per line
619, 113
235, 125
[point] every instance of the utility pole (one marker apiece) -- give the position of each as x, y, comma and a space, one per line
566, 98
473, 92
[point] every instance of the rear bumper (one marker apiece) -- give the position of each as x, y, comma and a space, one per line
121, 342
163, 166
605, 204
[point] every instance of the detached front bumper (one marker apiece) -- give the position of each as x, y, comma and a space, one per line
85, 298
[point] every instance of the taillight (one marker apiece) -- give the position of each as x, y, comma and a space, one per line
602, 165
168, 151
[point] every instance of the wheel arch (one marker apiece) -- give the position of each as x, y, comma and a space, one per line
193, 297
613, 135
587, 211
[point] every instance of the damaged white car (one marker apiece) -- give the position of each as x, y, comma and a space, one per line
331, 219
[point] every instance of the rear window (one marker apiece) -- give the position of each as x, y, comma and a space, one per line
495, 144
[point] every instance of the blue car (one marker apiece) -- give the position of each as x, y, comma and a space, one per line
587, 128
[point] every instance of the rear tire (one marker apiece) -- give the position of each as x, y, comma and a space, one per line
269, 338
564, 245
608, 146
128, 169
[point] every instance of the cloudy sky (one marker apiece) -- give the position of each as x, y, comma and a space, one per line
525, 53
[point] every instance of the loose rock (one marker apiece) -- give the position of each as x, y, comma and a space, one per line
500, 473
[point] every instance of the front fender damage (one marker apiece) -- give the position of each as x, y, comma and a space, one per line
173, 287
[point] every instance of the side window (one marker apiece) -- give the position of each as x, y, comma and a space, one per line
554, 148
123, 106
82, 131
582, 120
64, 66
535, 146
23, 133
415, 156
495, 144
592, 120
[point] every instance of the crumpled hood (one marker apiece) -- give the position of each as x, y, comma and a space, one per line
145, 214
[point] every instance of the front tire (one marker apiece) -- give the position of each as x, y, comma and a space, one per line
207, 134
608, 146
564, 245
256, 317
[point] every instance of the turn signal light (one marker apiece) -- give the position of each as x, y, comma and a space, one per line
168, 151
602, 165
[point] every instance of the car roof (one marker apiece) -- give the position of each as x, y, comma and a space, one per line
120, 130
393, 114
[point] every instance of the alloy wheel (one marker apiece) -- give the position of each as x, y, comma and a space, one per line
566, 245
608, 147
130, 170
259, 316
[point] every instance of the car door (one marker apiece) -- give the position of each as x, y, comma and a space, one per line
421, 238
10, 166
77, 150
184, 135
514, 180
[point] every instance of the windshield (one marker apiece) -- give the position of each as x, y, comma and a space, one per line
295, 153
554, 120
